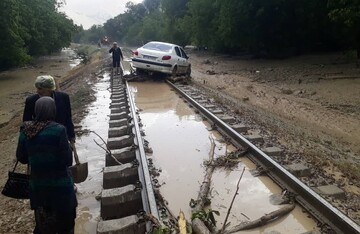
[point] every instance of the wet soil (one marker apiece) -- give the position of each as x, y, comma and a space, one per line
15, 85
316, 95
309, 106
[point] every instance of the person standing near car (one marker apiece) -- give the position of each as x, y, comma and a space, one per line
116, 56
45, 86
43, 144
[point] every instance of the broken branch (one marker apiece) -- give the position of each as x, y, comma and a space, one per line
263, 220
107, 150
233, 199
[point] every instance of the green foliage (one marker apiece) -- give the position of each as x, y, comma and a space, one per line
30, 28
347, 14
84, 56
206, 216
12, 50
161, 230
129, 22
346, 11
272, 28
174, 8
152, 5
92, 35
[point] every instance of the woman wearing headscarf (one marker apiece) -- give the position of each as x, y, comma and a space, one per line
45, 87
43, 144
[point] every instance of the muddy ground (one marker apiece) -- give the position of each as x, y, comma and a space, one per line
308, 105
15, 215
315, 100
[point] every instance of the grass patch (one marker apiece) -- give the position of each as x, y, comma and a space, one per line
87, 52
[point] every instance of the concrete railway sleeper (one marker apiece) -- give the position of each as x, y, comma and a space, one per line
305, 196
127, 188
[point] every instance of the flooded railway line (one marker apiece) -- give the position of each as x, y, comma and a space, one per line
179, 137
180, 141
304, 195
127, 187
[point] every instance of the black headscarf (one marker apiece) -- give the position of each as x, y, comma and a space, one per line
45, 111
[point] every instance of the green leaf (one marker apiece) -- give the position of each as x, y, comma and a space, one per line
199, 214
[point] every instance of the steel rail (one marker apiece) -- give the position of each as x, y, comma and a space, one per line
147, 192
311, 201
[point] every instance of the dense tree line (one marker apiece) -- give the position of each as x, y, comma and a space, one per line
31, 28
273, 28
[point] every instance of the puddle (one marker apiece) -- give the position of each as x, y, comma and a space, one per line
180, 142
253, 201
17, 84
67, 55
97, 119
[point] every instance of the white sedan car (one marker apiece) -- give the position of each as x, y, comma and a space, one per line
161, 57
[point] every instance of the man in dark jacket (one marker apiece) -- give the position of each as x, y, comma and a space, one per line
116, 56
43, 145
45, 86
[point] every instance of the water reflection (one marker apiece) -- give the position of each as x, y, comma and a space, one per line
66, 54
180, 142
96, 120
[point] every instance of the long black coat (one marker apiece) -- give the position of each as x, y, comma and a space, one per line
63, 111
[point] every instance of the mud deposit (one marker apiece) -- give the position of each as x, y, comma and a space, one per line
310, 103
96, 120
17, 84
308, 106
180, 142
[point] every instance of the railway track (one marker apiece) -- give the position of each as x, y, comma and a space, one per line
310, 200
128, 190
127, 187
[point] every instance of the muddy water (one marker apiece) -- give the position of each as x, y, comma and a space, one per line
97, 119
180, 142
16, 84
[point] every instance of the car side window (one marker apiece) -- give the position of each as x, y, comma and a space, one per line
183, 54
177, 50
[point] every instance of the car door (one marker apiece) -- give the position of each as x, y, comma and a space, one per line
186, 59
181, 61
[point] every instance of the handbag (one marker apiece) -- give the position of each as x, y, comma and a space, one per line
17, 185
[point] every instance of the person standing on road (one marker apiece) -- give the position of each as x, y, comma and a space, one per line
43, 144
116, 56
46, 86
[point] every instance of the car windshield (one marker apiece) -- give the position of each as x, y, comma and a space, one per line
157, 46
